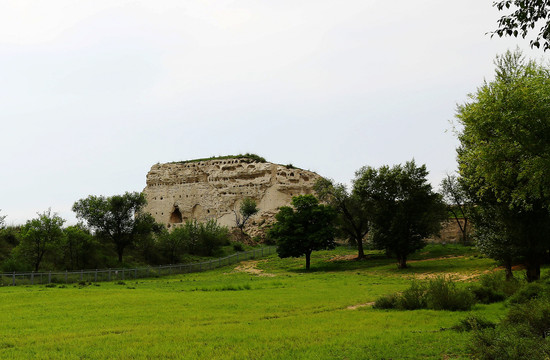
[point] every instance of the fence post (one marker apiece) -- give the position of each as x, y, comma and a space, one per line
95, 277
50, 277
81, 275
109, 274
135, 273
13, 279
32, 277
66, 276
262, 251
123, 274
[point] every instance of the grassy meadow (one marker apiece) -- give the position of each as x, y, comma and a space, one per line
262, 309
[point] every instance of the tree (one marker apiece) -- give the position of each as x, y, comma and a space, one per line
2, 221
526, 15
247, 209
40, 236
353, 211
194, 238
504, 152
116, 218
458, 203
496, 234
305, 227
79, 247
405, 209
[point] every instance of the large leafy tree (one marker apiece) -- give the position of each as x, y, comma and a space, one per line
305, 227
405, 210
39, 237
504, 153
526, 15
353, 211
117, 218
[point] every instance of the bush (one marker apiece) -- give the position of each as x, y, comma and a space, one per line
527, 293
413, 298
507, 343
474, 322
535, 314
386, 301
439, 294
443, 294
486, 295
238, 246
521, 335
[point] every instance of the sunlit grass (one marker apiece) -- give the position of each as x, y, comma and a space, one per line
228, 314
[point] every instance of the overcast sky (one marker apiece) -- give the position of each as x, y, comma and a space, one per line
94, 92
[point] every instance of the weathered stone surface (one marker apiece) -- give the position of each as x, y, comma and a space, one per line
212, 189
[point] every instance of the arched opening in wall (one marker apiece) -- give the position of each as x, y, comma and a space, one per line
176, 217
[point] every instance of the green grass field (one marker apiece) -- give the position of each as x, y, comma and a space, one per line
266, 309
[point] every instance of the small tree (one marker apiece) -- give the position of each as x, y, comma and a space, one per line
39, 237
117, 218
458, 203
303, 228
2, 221
79, 247
353, 211
405, 209
194, 238
247, 209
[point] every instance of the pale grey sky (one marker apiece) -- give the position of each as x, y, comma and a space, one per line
94, 92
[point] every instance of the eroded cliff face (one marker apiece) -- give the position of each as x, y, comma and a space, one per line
212, 189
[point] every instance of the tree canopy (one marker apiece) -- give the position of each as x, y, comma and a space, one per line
526, 15
117, 218
353, 211
405, 210
40, 236
303, 228
504, 152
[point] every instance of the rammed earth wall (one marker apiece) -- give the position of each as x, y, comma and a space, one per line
212, 189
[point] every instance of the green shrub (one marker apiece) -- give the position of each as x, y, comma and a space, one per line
535, 314
238, 246
522, 334
473, 322
528, 292
507, 343
438, 294
386, 301
487, 295
413, 298
443, 294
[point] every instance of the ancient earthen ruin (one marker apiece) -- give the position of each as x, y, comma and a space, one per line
213, 189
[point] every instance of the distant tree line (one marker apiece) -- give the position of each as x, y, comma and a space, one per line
112, 232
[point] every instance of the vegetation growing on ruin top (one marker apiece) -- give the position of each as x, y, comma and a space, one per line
251, 157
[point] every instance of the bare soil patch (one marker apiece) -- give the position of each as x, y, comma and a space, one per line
353, 307
249, 267
343, 258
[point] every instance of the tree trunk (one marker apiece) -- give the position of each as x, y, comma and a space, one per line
402, 262
508, 270
532, 270
308, 260
119, 252
360, 251
465, 232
